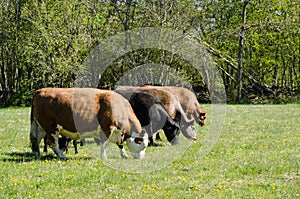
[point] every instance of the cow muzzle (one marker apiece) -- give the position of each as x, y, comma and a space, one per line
137, 145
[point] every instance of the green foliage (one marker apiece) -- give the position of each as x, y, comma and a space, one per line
44, 43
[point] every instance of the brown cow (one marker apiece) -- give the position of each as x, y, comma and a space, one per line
172, 106
85, 112
152, 115
188, 101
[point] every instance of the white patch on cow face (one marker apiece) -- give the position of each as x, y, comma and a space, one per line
189, 131
137, 145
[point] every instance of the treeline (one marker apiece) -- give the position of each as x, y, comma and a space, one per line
44, 43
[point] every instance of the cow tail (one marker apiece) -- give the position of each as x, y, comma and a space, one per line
31, 113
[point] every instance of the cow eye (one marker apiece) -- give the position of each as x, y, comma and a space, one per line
193, 127
138, 140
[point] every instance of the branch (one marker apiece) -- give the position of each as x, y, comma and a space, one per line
233, 65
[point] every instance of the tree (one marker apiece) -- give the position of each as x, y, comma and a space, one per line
241, 51
44, 43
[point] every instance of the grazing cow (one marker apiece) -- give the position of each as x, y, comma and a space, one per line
172, 106
152, 115
188, 101
85, 112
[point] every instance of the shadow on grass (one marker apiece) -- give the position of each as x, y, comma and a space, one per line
20, 157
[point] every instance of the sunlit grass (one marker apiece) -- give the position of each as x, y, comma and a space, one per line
256, 156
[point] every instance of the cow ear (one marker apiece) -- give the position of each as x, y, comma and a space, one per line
125, 136
202, 113
143, 132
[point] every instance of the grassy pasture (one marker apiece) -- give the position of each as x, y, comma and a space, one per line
256, 156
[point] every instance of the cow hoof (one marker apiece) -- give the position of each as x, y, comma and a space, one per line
154, 144
37, 155
124, 155
63, 158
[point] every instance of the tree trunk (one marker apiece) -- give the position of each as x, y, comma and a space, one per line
2, 71
275, 75
296, 82
241, 53
283, 77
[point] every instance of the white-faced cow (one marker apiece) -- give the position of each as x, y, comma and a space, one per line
188, 101
172, 106
85, 112
152, 115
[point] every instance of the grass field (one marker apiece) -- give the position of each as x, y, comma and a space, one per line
257, 156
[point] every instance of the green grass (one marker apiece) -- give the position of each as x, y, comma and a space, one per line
257, 156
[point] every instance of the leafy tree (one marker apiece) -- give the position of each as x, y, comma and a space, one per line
45, 43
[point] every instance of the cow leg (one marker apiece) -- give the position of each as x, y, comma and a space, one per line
97, 141
103, 149
36, 134
116, 136
151, 141
158, 116
123, 152
53, 139
82, 142
158, 137
45, 146
75, 146
149, 129
151, 134
63, 143
68, 140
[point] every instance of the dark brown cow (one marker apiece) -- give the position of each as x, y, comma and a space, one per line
172, 106
188, 101
152, 115
85, 112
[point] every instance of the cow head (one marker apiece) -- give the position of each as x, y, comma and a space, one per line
188, 130
137, 144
